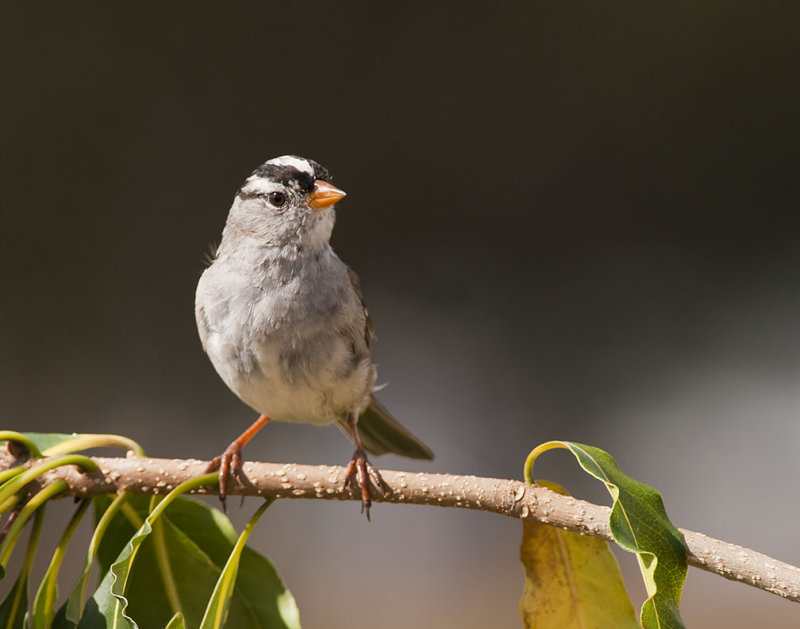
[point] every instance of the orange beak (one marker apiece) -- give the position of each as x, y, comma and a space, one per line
324, 195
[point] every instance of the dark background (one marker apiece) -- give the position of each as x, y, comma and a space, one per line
571, 220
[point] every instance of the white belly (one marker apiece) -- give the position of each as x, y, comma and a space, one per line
314, 389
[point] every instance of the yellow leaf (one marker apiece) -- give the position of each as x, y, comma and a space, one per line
571, 581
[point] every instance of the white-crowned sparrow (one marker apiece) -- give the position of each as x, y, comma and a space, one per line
283, 321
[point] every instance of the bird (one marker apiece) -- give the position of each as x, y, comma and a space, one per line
285, 325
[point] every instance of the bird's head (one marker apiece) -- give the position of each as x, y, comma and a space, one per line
287, 201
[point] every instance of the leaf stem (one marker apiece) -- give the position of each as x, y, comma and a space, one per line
217, 609
13, 435
10, 473
164, 567
27, 511
527, 468
84, 442
45, 599
30, 553
9, 503
19, 481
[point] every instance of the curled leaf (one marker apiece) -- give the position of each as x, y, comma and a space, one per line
571, 581
110, 602
639, 524
75, 602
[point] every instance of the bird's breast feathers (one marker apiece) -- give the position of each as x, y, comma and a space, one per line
294, 350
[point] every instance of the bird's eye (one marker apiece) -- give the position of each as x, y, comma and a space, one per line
276, 198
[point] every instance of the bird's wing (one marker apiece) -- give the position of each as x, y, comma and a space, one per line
381, 433
369, 331
378, 430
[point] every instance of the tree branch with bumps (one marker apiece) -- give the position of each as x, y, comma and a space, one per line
141, 475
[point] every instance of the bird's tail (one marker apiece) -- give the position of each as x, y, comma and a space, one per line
381, 433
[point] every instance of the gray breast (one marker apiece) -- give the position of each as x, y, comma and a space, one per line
291, 345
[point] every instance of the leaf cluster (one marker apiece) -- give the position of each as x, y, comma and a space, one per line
161, 561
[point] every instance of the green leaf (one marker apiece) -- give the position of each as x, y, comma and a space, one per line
74, 604
60, 621
217, 610
46, 440
176, 622
260, 598
170, 575
39, 440
120, 526
46, 595
209, 528
13, 610
175, 569
79, 442
639, 524
110, 603
52, 443
571, 581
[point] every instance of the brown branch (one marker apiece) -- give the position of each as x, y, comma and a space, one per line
507, 497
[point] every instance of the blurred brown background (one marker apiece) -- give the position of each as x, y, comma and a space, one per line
572, 220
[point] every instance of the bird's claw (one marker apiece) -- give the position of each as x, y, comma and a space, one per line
361, 473
229, 464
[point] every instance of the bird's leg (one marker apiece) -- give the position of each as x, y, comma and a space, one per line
360, 471
229, 463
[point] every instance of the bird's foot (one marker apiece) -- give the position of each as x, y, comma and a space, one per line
229, 464
361, 473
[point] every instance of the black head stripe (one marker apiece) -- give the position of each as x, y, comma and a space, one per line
286, 175
289, 175
320, 172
